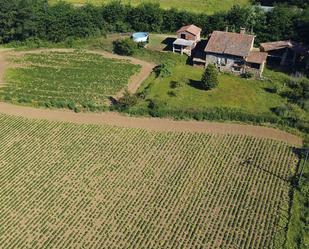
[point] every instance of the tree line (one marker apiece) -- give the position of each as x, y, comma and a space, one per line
24, 19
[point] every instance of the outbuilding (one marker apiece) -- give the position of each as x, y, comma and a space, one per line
286, 53
187, 38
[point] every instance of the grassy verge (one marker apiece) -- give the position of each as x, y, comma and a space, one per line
298, 230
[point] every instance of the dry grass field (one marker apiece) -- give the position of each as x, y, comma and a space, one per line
205, 6
89, 186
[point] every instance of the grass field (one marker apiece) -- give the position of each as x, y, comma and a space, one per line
233, 92
88, 186
204, 6
61, 79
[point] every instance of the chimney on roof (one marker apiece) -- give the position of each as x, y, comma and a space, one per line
242, 31
227, 29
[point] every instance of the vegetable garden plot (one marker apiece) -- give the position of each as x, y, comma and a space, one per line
88, 186
66, 80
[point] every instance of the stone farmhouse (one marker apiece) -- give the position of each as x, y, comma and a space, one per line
187, 38
234, 52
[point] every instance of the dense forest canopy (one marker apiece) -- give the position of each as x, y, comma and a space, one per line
23, 19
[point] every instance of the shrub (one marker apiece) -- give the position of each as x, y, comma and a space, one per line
283, 111
127, 100
210, 78
304, 104
247, 75
89, 105
59, 104
71, 105
7, 98
172, 93
156, 108
24, 100
124, 47
77, 109
164, 69
175, 84
48, 104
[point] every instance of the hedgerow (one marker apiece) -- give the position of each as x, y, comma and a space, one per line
23, 19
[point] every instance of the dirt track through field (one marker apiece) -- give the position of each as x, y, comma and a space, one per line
3, 66
154, 124
119, 120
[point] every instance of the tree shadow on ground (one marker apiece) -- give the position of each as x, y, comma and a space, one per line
197, 84
189, 61
270, 90
249, 162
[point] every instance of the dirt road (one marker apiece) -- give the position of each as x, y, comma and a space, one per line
3, 65
154, 124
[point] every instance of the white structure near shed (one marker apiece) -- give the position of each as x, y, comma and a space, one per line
183, 46
140, 37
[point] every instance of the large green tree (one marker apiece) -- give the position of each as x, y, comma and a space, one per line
210, 77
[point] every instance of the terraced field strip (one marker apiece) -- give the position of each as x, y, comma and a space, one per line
67, 78
65, 185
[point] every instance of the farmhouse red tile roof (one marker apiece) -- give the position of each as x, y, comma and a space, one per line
230, 43
191, 29
257, 57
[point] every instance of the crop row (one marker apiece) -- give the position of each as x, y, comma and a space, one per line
87, 186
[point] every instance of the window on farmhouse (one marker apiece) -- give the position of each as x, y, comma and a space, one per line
255, 65
222, 61
237, 68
